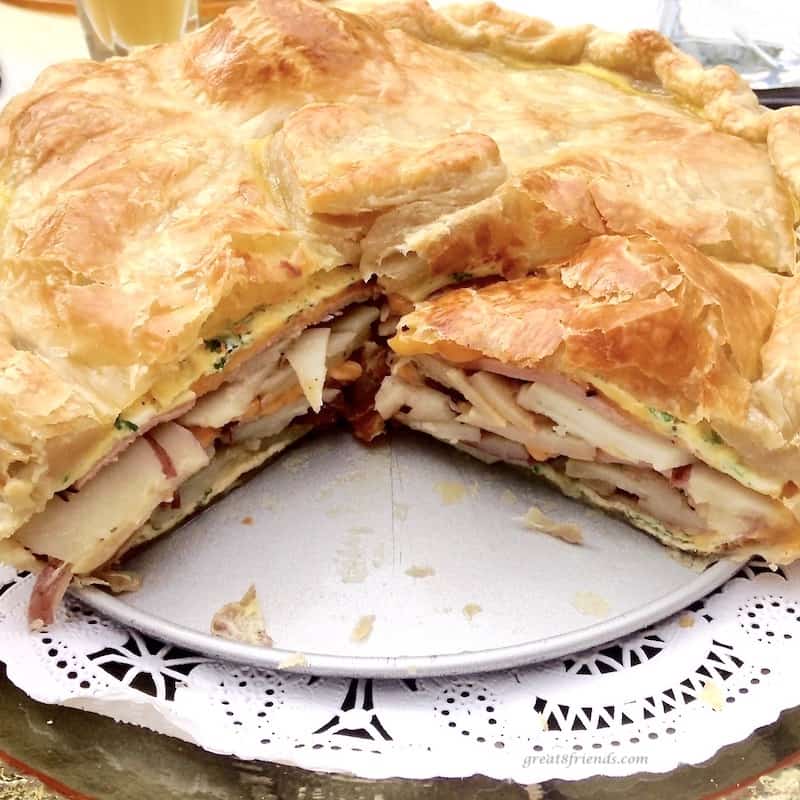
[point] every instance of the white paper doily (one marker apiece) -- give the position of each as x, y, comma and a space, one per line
672, 694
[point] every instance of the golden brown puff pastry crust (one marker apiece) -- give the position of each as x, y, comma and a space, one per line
149, 202
704, 340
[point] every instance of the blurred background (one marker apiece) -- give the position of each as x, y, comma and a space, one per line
115, 27
208, 8
761, 38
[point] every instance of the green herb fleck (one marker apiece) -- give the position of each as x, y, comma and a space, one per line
535, 469
712, 437
122, 424
664, 416
458, 277
65, 479
224, 344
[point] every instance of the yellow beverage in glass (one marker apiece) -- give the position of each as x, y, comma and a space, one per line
208, 8
115, 27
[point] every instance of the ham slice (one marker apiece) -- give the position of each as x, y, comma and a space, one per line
527, 374
613, 434
48, 592
124, 443
577, 391
504, 449
542, 442
167, 467
652, 492
88, 530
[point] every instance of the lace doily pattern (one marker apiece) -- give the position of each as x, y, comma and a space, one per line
672, 694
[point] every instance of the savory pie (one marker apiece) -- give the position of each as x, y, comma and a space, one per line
194, 240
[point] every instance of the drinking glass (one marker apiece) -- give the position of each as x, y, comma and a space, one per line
117, 27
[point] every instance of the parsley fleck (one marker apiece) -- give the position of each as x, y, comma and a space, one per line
457, 277
664, 416
224, 345
713, 437
122, 424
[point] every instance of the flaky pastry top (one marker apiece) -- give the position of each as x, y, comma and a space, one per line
652, 319
152, 201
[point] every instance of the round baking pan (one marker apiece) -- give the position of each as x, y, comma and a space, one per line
424, 539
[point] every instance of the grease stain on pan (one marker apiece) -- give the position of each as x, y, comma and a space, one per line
452, 492
415, 571
296, 462
356, 553
508, 497
471, 610
591, 604
363, 628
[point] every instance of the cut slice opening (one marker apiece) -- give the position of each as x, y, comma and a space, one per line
170, 470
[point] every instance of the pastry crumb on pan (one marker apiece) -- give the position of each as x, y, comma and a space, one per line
294, 660
470, 610
363, 628
416, 571
536, 520
242, 621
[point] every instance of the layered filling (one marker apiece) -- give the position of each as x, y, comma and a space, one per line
168, 470
574, 435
